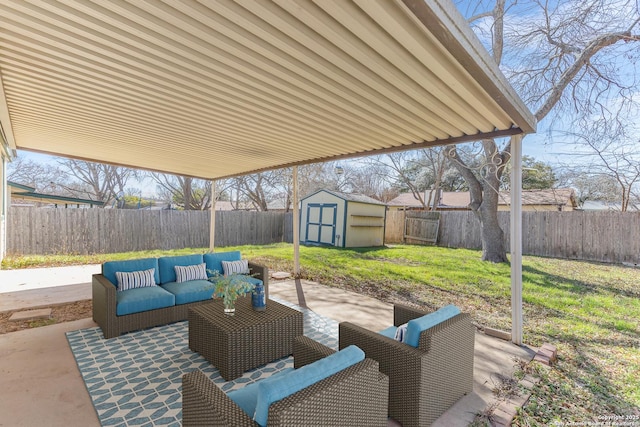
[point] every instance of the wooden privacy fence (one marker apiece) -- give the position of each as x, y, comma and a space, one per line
593, 236
87, 231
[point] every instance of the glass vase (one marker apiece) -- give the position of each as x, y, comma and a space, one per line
229, 307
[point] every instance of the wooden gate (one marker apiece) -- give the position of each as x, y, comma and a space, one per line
421, 227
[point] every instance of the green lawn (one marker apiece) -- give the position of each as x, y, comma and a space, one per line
590, 311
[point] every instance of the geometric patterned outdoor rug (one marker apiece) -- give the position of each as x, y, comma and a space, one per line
136, 379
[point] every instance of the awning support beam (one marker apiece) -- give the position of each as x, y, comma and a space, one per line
212, 221
296, 225
516, 239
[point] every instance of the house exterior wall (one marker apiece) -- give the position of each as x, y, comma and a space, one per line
365, 225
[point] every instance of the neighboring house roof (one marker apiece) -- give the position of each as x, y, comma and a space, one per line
25, 192
551, 196
223, 205
449, 199
351, 197
461, 199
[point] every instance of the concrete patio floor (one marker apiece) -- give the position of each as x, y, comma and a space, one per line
40, 383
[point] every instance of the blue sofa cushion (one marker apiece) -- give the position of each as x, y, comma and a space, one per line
298, 379
416, 326
109, 268
167, 265
214, 260
143, 299
247, 397
191, 291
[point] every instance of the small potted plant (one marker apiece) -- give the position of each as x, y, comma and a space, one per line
229, 288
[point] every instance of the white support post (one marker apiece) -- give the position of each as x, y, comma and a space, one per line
516, 239
212, 222
4, 204
296, 225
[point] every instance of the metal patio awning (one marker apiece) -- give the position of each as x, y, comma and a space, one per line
220, 88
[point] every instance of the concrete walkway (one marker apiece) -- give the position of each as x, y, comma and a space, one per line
41, 385
37, 287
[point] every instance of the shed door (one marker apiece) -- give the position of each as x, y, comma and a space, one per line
321, 223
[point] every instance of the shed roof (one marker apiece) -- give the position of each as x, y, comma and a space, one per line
350, 197
220, 88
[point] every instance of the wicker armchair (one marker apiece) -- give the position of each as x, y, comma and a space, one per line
355, 396
425, 381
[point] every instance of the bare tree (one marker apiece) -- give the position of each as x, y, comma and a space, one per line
97, 181
186, 192
607, 154
37, 175
559, 57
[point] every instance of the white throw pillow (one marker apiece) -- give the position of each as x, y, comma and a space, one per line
191, 272
235, 267
135, 279
401, 333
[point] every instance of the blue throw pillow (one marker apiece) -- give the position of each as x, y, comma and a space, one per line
416, 326
299, 379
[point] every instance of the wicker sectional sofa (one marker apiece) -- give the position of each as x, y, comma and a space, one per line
120, 311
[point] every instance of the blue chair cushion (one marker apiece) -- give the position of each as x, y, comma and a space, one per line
298, 379
143, 299
390, 332
416, 326
247, 397
167, 265
214, 260
109, 268
191, 291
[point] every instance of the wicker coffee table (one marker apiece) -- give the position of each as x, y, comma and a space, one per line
235, 344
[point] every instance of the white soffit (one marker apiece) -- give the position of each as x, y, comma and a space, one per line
220, 88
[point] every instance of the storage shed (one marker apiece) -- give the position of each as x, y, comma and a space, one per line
337, 219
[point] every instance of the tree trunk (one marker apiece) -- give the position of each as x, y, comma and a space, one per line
493, 248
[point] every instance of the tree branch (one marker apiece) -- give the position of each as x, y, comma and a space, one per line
594, 47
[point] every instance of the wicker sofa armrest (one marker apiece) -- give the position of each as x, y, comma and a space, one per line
306, 351
403, 313
204, 404
260, 272
355, 396
103, 294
